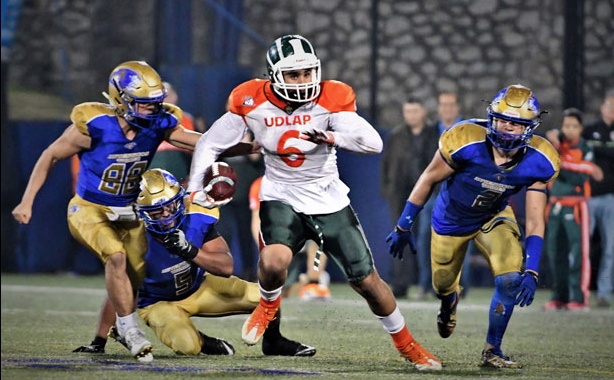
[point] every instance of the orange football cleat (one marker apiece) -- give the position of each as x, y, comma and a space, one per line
420, 357
313, 291
259, 320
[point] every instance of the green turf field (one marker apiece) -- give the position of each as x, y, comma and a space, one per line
44, 317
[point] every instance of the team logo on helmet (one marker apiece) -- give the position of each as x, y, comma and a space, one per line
293, 53
515, 104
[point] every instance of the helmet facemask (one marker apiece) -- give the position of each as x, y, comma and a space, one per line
160, 203
133, 83
293, 53
515, 104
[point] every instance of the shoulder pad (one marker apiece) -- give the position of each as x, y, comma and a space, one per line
542, 145
459, 135
337, 96
175, 111
247, 96
82, 113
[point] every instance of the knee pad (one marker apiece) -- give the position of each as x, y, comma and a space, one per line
505, 285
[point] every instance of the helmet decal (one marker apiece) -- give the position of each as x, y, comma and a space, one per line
515, 104
127, 79
135, 82
293, 53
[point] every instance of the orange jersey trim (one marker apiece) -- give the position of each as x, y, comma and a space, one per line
335, 96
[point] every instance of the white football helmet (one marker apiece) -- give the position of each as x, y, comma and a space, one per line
290, 53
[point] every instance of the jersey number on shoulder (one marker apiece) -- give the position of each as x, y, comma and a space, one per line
122, 178
485, 200
292, 155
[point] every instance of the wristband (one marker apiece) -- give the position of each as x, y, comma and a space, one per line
533, 249
408, 216
191, 253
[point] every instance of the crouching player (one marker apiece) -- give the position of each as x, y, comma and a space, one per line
188, 273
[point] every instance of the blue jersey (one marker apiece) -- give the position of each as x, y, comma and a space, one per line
479, 188
169, 277
111, 169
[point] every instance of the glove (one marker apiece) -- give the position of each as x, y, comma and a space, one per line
122, 214
527, 283
178, 245
202, 199
398, 239
318, 136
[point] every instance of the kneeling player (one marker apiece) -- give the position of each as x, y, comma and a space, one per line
188, 273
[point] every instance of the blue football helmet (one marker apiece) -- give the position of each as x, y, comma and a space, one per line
160, 193
135, 82
291, 53
516, 104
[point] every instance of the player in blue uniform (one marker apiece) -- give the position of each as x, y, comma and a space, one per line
483, 163
188, 273
115, 143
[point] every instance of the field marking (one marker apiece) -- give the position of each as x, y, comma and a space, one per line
115, 365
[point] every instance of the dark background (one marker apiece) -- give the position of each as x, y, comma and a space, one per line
59, 53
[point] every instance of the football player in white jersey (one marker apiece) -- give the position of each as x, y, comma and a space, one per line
300, 122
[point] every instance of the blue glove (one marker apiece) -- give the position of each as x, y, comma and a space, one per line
527, 283
397, 240
402, 235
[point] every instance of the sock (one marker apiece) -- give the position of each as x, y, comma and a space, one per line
394, 322
270, 295
447, 302
125, 323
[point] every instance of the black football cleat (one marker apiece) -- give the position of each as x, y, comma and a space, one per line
215, 346
90, 349
446, 318
282, 346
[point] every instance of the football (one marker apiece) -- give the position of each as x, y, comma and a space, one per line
222, 179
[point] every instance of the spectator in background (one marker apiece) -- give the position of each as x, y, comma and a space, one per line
567, 230
407, 152
448, 110
169, 157
600, 136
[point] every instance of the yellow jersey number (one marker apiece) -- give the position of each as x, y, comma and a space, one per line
122, 178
